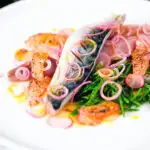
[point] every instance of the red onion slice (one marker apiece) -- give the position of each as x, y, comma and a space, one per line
57, 122
48, 65
58, 92
51, 67
118, 63
118, 74
74, 72
105, 72
95, 34
22, 73
82, 72
134, 81
87, 66
81, 43
112, 97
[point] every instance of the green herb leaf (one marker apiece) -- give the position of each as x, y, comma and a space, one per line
75, 112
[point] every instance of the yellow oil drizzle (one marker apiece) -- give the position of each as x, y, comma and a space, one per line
65, 113
21, 54
76, 123
110, 120
70, 107
135, 117
69, 58
39, 109
20, 98
10, 88
72, 29
54, 30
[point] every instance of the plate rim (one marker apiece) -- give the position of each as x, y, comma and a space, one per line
10, 7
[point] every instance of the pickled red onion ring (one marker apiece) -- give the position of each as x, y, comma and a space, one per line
77, 76
119, 74
48, 65
87, 66
94, 34
22, 73
112, 97
118, 63
58, 92
58, 122
105, 72
134, 81
82, 72
89, 53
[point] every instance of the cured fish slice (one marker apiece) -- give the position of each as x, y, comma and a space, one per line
48, 42
93, 115
77, 61
49, 69
140, 63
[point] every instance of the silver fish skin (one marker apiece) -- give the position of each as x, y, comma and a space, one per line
76, 63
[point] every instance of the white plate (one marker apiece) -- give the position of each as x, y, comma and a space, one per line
25, 18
